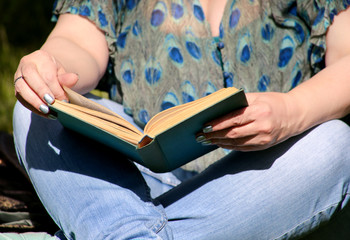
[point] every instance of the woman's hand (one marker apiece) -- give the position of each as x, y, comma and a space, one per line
39, 79
271, 118
75, 45
264, 123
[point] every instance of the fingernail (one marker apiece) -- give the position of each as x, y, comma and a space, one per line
44, 109
52, 117
206, 143
66, 101
200, 138
48, 98
207, 129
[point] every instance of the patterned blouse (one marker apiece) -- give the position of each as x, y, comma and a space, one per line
163, 53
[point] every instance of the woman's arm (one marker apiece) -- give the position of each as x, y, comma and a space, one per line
81, 48
74, 54
273, 117
327, 95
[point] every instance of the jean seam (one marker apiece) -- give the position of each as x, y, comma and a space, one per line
159, 225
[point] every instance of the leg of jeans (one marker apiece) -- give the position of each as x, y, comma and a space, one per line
280, 193
90, 191
96, 194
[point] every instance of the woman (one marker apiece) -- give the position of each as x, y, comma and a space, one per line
288, 172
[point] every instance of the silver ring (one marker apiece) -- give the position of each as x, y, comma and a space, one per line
20, 77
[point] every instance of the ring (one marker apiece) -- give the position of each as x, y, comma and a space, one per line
20, 77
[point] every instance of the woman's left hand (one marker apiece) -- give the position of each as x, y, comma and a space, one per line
264, 123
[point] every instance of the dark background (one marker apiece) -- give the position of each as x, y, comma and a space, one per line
24, 26
26, 23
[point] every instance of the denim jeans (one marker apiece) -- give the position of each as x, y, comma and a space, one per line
92, 192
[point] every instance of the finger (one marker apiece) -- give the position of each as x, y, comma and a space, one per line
68, 79
17, 79
65, 79
242, 131
251, 137
29, 99
242, 148
235, 142
39, 69
35, 81
51, 76
235, 118
29, 106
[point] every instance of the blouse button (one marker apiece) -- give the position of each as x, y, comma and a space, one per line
221, 45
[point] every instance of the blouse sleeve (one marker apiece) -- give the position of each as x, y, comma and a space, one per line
319, 15
105, 14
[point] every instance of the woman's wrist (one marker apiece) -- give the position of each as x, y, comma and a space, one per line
296, 115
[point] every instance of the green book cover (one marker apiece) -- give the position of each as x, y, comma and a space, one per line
169, 149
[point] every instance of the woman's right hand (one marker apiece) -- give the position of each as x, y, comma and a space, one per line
39, 79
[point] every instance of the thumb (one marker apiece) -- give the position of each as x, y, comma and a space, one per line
68, 79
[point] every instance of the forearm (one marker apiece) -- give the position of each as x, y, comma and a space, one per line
81, 48
76, 60
324, 97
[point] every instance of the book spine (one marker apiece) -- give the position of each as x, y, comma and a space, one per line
153, 157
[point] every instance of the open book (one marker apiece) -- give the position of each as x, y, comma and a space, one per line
168, 140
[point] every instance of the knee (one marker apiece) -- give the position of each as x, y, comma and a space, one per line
334, 138
331, 149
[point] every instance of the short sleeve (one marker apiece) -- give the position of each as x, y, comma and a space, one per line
104, 14
319, 15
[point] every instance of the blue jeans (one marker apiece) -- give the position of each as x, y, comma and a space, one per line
92, 192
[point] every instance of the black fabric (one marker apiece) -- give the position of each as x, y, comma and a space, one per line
20, 208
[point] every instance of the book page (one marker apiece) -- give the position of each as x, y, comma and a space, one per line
114, 125
77, 99
174, 115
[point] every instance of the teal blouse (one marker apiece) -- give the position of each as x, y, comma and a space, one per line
163, 53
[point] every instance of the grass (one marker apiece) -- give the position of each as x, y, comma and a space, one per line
9, 59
